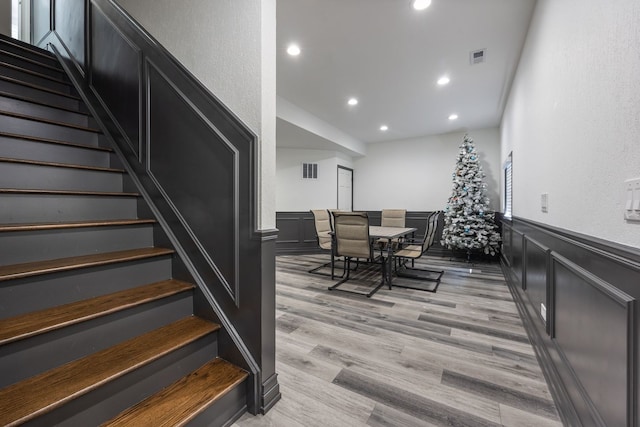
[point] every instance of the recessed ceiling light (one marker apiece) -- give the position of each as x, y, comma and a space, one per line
421, 4
453, 117
384, 128
293, 49
352, 101
443, 80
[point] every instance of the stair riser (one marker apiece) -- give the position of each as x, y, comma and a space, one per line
32, 356
37, 67
49, 290
19, 247
39, 95
21, 126
35, 79
25, 176
112, 398
15, 148
45, 112
230, 407
26, 53
28, 208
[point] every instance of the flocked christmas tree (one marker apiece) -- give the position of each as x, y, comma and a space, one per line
468, 223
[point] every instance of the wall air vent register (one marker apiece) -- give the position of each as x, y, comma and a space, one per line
309, 171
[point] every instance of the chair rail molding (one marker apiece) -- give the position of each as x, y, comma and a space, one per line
136, 90
577, 296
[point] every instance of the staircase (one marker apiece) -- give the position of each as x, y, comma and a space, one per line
93, 328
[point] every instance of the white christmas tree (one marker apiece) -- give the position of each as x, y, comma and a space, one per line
468, 223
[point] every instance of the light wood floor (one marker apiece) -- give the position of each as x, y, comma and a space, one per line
404, 357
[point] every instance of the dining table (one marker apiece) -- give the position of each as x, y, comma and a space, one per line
389, 233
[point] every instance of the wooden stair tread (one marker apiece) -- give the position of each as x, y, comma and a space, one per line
33, 73
75, 224
66, 192
52, 141
36, 101
16, 271
59, 165
35, 323
42, 393
184, 399
47, 121
32, 61
38, 87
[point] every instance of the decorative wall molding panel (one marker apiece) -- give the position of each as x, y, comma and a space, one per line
586, 335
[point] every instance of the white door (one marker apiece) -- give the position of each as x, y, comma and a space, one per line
345, 189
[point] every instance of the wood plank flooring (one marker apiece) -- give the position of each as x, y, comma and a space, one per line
457, 357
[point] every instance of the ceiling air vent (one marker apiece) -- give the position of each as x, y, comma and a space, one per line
477, 56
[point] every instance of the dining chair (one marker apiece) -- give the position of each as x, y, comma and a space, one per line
352, 241
322, 222
414, 249
392, 218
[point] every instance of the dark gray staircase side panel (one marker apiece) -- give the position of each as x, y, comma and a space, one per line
40, 95
17, 148
44, 58
35, 78
30, 208
20, 126
44, 111
114, 397
29, 246
21, 296
30, 65
31, 356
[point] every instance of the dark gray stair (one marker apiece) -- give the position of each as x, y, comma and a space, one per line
19, 173
97, 323
36, 205
34, 108
40, 93
27, 51
23, 124
31, 64
92, 321
51, 150
34, 77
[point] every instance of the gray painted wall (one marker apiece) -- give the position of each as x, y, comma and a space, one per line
5, 17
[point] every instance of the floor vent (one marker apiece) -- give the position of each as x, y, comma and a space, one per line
477, 56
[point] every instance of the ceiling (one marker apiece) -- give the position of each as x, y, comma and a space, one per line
389, 56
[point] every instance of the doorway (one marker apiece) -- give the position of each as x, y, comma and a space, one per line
345, 188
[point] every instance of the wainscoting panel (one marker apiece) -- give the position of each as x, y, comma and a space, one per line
116, 74
535, 282
517, 242
69, 24
589, 349
594, 329
210, 209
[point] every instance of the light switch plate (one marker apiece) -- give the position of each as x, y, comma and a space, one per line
632, 199
544, 202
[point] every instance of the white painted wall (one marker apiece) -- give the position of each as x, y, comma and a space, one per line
229, 46
415, 174
296, 194
572, 118
5, 17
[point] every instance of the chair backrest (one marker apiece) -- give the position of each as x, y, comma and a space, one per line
393, 217
323, 227
430, 232
352, 234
